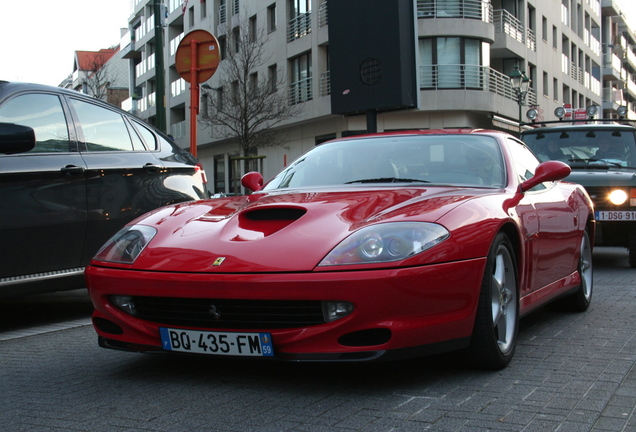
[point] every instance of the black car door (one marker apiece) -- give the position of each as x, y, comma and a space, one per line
43, 195
123, 178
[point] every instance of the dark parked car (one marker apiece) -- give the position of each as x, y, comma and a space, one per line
73, 171
602, 155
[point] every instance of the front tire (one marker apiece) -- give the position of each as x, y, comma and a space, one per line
497, 321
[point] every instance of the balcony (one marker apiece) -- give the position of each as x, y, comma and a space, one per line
469, 77
466, 9
299, 26
301, 91
510, 36
612, 66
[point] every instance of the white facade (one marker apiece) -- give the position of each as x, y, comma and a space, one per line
477, 44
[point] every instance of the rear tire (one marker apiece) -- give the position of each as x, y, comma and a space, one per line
497, 321
581, 299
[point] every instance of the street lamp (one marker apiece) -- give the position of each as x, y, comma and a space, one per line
520, 84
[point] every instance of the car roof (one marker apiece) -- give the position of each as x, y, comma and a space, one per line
415, 132
585, 126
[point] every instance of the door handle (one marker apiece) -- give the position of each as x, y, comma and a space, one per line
71, 170
150, 167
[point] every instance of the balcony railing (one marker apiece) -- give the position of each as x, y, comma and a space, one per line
177, 87
301, 91
174, 44
299, 26
470, 9
325, 84
507, 23
179, 130
322, 15
222, 14
470, 77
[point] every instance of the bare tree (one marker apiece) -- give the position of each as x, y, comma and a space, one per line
250, 99
98, 77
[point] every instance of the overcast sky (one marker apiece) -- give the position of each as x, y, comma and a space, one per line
38, 38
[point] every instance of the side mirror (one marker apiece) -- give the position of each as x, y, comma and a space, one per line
252, 180
16, 138
547, 171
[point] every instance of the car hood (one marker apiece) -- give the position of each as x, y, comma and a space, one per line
281, 231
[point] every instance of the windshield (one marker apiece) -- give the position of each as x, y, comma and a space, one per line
468, 160
585, 147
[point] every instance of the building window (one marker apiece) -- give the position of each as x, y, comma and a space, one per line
235, 7
555, 89
204, 9
301, 79
254, 83
252, 28
191, 16
544, 29
236, 36
272, 76
220, 101
546, 85
271, 18
223, 47
450, 62
555, 37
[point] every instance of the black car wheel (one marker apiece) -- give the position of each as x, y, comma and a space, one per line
496, 324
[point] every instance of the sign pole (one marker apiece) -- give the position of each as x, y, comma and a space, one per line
197, 59
194, 96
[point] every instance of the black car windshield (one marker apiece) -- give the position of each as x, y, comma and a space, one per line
465, 160
585, 147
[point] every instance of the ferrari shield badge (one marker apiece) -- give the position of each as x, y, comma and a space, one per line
218, 261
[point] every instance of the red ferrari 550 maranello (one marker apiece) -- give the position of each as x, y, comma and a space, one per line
379, 246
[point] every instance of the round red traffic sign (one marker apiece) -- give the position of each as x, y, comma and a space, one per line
198, 51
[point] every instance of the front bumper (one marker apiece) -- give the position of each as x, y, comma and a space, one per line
418, 310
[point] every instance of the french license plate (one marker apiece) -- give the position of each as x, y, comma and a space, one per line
219, 343
620, 216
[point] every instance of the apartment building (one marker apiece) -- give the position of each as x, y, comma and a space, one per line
464, 54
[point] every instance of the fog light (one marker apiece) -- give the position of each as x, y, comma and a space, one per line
617, 197
124, 303
333, 310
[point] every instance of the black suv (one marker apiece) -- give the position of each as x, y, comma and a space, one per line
73, 171
602, 154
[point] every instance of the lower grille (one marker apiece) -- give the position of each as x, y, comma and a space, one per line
229, 314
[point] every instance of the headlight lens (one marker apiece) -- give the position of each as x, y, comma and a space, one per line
618, 196
125, 246
386, 242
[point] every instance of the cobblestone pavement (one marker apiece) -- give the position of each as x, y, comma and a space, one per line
572, 372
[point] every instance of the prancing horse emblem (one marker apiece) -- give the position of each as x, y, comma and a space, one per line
216, 315
218, 261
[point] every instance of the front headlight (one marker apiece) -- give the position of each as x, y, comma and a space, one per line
385, 243
618, 197
125, 246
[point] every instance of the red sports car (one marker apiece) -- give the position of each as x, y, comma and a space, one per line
378, 246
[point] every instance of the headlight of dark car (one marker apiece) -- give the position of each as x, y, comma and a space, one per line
386, 242
125, 246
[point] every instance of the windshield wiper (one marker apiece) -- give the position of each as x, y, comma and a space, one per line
388, 180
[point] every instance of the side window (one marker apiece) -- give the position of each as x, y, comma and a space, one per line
525, 161
146, 135
43, 113
103, 129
